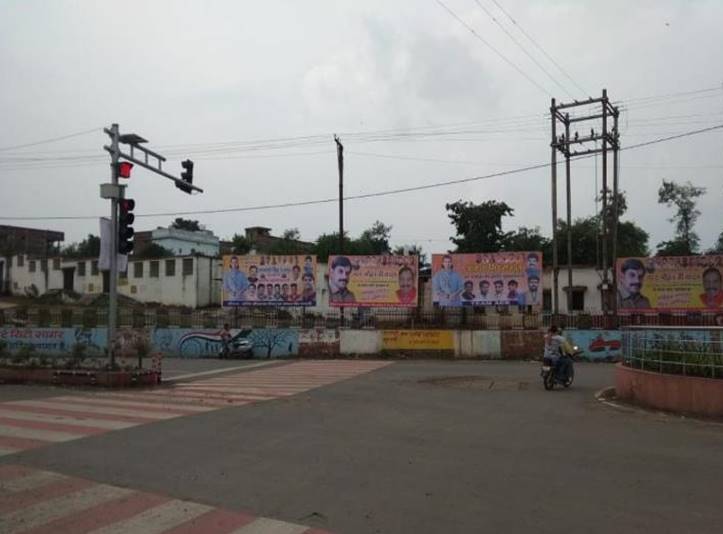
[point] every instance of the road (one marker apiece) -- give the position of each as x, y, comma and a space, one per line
357, 447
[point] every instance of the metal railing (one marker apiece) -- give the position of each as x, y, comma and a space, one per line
509, 318
691, 351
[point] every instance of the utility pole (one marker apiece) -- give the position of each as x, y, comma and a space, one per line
115, 192
601, 110
553, 167
340, 166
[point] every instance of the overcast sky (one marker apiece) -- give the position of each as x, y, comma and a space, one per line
227, 83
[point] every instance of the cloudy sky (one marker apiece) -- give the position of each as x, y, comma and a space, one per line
254, 91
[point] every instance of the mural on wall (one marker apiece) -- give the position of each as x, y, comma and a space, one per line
316, 342
597, 345
417, 340
187, 343
55, 341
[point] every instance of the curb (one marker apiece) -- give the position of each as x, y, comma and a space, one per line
607, 397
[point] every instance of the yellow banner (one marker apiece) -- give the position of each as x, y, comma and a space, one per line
668, 283
417, 340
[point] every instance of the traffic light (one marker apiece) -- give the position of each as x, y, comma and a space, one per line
125, 220
124, 169
186, 176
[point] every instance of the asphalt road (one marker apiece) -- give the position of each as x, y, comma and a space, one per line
414, 448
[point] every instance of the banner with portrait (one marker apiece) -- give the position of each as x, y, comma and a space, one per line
670, 283
258, 280
493, 279
373, 281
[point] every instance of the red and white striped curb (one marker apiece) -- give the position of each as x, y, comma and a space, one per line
33, 501
27, 424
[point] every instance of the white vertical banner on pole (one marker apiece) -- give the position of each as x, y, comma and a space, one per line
105, 252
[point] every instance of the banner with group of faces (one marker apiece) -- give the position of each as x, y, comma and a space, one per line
670, 283
252, 280
500, 278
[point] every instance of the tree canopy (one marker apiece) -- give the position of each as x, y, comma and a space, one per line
186, 224
88, 248
683, 197
478, 226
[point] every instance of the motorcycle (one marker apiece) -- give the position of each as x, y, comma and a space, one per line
236, 348
551, 375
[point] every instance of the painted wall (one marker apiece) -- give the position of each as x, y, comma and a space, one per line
360, 341
316, 342
477, 344
192, 343
55, 341
597, 345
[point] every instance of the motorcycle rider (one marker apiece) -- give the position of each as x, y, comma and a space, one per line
226, 339
556, 346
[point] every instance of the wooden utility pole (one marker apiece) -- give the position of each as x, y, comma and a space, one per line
340, 165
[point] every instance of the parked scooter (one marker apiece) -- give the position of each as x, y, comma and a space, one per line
551, 374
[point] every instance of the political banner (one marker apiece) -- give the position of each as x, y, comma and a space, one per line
670, 283
499, 279
253, 280
373, 281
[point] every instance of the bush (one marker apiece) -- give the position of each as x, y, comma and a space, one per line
23, 355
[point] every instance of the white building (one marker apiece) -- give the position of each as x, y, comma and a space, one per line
180, 242
191, 281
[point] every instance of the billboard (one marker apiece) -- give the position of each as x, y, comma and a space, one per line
252, 280
371, 281
670, 283
500, 278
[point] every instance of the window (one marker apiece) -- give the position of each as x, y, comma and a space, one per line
56, 264
31, 266
547, 300
170, 267
154, 269
94, 267
81, 268
138, 269
578, 300
187, 266
21, 260
43, 266
123, 275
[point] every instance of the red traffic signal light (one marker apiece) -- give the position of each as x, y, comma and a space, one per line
124, 169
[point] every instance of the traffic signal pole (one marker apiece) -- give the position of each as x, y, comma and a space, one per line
115, 193
113, 275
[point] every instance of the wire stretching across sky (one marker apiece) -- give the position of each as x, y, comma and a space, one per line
488, 45
370, 195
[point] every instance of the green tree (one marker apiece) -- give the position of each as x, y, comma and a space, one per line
718, 246
239, 244
374, 240
88, 248
478, 226
153, 250
328, 244
186, 224
529, 239
683, 197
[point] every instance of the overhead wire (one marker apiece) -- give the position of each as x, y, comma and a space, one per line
491, 47
50, 140
540, 48
374, 194
522, 47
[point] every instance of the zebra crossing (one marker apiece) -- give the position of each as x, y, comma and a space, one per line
28, 424
44, 502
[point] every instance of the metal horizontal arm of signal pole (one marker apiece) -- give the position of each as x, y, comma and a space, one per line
157, 169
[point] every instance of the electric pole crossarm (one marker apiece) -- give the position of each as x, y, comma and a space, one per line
579, 103
155, 169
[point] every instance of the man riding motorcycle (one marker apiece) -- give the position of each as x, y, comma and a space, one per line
556, 346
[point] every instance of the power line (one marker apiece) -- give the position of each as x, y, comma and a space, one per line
51, 140
371, 195
499, 54
521, 47
539, 47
